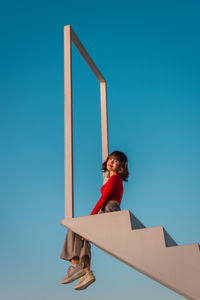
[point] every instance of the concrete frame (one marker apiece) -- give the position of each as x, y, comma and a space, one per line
150, 251
69, 37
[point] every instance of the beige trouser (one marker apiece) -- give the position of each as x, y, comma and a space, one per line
75, 246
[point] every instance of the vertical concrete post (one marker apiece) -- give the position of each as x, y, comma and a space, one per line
104, 123
69, 209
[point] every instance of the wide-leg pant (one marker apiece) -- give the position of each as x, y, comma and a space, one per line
75, 246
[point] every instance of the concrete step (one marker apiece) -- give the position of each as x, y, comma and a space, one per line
151, 251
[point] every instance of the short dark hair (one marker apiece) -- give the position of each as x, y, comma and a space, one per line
122, 158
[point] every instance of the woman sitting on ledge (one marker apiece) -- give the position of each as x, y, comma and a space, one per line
76, 249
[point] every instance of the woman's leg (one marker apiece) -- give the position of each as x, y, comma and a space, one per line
85, 255
111, 207
85, 258
76, 249
72, 247
71, 251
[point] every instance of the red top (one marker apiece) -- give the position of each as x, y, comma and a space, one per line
111, 190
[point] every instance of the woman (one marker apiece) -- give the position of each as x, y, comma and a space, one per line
78, 250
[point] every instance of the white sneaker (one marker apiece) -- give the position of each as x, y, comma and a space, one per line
73, 273
85, 281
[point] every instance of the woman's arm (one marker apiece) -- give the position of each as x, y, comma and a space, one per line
106, 196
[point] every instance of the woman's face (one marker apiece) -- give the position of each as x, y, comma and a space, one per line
113, 164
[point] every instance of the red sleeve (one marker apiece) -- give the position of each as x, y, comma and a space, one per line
110, 185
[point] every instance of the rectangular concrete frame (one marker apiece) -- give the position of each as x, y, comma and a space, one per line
151, 251
69, 37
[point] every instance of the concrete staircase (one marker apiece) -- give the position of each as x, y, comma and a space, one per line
151, 251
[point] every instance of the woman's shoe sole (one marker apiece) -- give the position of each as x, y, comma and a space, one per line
85, 285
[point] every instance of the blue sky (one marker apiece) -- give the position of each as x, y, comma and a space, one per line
148, 51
